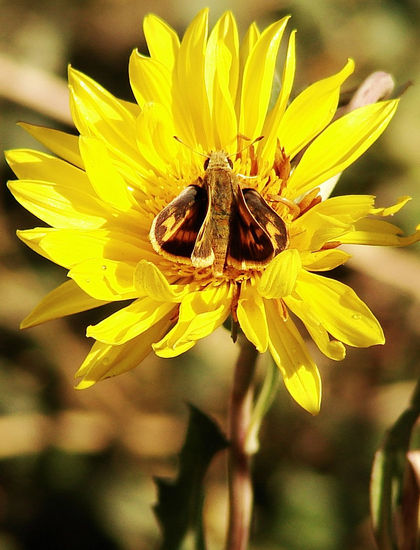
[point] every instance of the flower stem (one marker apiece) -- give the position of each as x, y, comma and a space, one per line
240, 487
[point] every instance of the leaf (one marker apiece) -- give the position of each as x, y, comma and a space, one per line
180, 502
392, 483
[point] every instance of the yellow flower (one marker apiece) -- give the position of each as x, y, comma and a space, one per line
103, 190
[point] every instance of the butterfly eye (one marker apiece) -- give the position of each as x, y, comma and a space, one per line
206, 163
229, 162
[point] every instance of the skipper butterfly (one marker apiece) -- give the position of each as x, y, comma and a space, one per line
214, 222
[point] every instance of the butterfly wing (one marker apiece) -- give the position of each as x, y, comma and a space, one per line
175, 229
203, 255
272, 223
257, 233
249, 244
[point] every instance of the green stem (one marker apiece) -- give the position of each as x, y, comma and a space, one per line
240, 487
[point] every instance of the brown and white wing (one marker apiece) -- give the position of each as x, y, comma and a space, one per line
272, 223
249, 244
175, 229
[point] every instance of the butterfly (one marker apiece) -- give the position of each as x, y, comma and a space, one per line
215, 222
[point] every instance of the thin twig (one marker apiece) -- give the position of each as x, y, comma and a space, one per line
240, 488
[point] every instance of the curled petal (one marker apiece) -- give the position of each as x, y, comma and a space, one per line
279, 277
129, 322
105, 279
106, 360
324, 260
339, 310
200, 314
150, 281
331, 348
252, 317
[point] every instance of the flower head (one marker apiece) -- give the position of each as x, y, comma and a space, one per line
135, 215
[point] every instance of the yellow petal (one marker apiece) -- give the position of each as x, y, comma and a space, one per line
311, 111
252, 318
68, 247
300, 374
98, 113
321, 229
130, 321
191, 107
339, 310
150, 80
162, 40
60, 143
267, 147
200, 314
393, 209
331, 348
221, 74
329, 220
346, 208
166, 352
224, 116
64, 300
105, 279
106, 180
258, 79
280, 275
150, 281
340, 144
324, 260
247, 45
155, 138
379, 233
105, 360
34, 165
58, 205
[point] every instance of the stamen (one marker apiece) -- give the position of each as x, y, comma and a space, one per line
293, 207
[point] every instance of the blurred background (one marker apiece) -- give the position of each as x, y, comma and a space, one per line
76, 467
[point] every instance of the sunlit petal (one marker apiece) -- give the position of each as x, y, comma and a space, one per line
106, 360
64, 300
339, 310
252, 317
300, 374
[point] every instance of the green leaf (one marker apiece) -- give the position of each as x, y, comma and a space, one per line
180, 502
389, 482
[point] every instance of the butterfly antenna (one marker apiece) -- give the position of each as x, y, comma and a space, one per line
189, 147
259, 138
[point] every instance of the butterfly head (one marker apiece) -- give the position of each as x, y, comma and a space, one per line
218, 160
